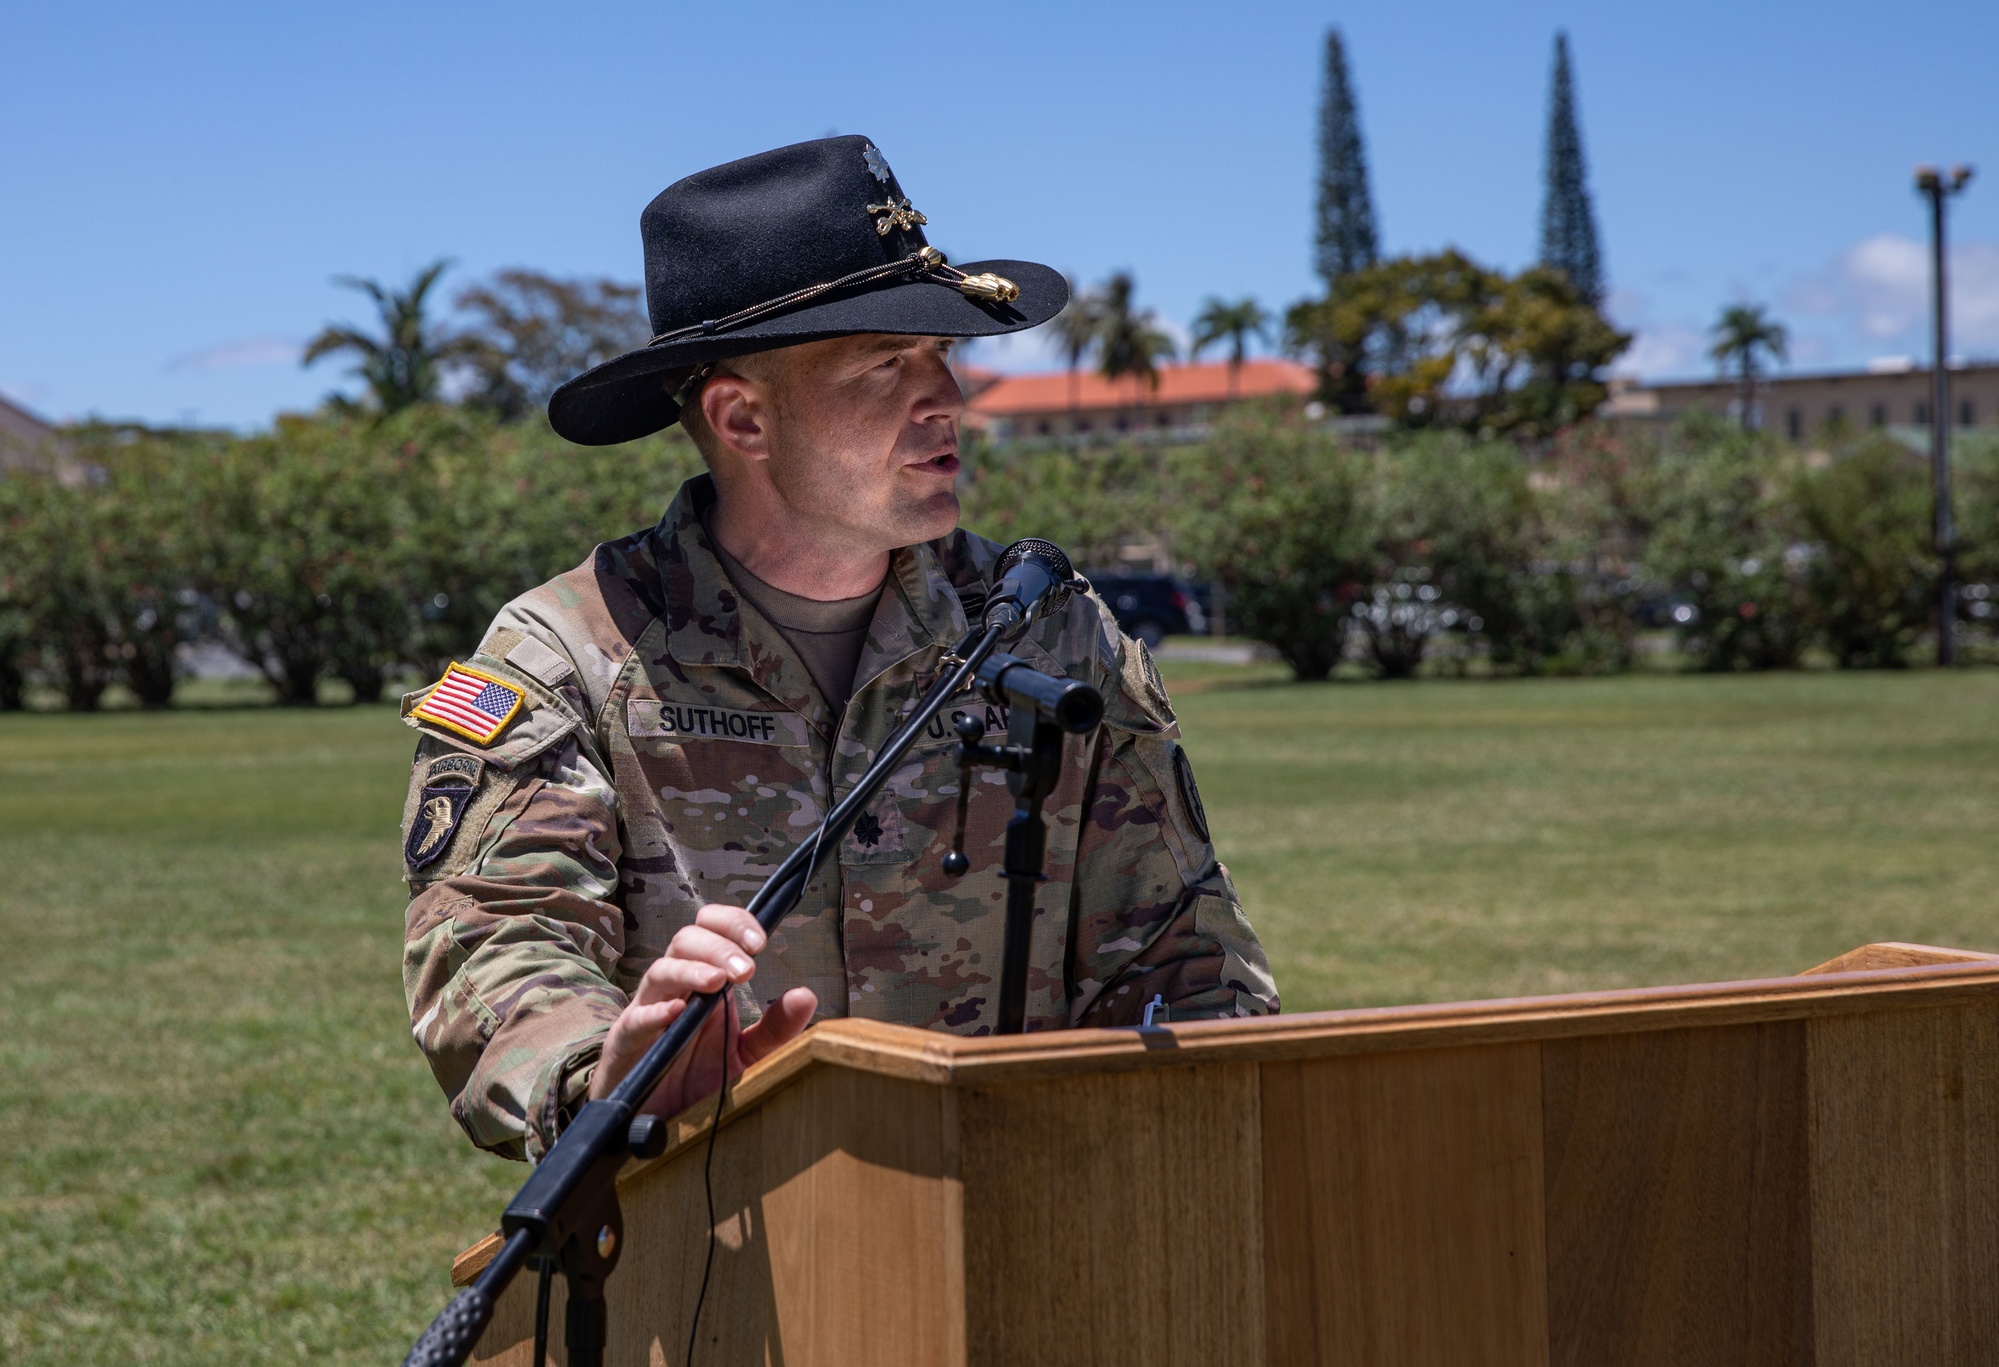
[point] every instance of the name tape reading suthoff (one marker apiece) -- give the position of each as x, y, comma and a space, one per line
690, 721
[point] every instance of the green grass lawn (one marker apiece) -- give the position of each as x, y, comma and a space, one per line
223, 1148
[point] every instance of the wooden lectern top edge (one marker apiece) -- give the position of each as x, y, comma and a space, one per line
1896, 954
1871, 978
1923, 975
920, 1055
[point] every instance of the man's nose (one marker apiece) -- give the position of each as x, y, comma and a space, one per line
939, 395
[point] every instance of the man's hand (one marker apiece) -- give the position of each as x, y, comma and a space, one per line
717, 949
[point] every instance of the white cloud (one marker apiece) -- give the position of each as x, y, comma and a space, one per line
241, 355
1886, 276
1662, 351
1879, 289
1974, 296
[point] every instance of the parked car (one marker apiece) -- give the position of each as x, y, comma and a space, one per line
1152, 607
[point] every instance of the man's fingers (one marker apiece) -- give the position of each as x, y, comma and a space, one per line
637, 1028
670, 978
697, 960
782, 1021
733, 922
699, 943
644, 1022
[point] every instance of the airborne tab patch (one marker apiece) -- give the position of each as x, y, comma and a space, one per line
474, 705
447, 789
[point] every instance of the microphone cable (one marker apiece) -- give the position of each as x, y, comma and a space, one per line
715, 1129
708, 1176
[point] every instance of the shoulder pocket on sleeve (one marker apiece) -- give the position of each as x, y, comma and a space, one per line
453, 799
492, 710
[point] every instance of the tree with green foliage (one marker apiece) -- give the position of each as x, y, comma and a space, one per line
1090, 500
1346, 239
1235, 323
404, 365
1975, 458
95, 585
1129, 339
17, 625
1278, 512
301, 552
1454, 343
1870, 570
1724, 543
49, 571
1076, 329
143, 519
1743, 336
496, 510
1568, 219
535, 331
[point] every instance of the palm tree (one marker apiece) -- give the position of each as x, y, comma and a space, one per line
1076, 328
1742, 336
1129, 341
1232, 323
403, 366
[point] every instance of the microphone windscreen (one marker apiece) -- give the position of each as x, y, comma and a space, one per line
1050, 558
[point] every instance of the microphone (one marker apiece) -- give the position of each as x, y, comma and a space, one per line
1033, 581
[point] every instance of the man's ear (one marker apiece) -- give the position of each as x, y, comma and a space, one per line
739, 412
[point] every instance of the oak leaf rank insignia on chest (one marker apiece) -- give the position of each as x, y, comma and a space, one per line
471, 704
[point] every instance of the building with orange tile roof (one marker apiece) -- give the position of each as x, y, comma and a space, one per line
1083, 404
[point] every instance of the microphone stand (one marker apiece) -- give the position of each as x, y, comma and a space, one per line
1040, 710
567, 1211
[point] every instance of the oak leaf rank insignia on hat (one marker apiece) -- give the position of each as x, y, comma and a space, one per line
799, 244
474, 705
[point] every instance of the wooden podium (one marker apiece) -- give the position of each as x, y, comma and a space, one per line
1797, 1170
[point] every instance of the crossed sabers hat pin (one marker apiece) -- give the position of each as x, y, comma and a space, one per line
898, 210
898, 215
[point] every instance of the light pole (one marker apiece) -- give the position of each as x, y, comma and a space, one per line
1938, 186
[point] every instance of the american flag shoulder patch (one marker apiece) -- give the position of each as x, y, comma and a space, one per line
476, 706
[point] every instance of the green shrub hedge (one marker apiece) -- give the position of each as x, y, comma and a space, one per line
338, 547
328, 547
1434, 550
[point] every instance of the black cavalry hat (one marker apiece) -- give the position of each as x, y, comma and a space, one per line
810, 241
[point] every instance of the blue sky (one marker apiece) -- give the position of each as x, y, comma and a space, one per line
183, 181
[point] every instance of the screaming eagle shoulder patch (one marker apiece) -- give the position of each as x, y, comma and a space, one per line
448, 786
474, 705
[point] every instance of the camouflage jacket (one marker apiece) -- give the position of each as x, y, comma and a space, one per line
668, 749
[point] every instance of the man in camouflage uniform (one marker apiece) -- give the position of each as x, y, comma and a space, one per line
636, 744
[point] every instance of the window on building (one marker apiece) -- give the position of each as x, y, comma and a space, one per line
1835, 415
1794, 424
1043, 428
1967, 413
1123, 423
1165, 420
1082, 424
1922, 414
1877, 415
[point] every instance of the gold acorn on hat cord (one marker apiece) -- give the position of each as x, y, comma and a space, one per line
985, 286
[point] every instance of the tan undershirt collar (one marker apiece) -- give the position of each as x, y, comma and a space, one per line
827, 636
